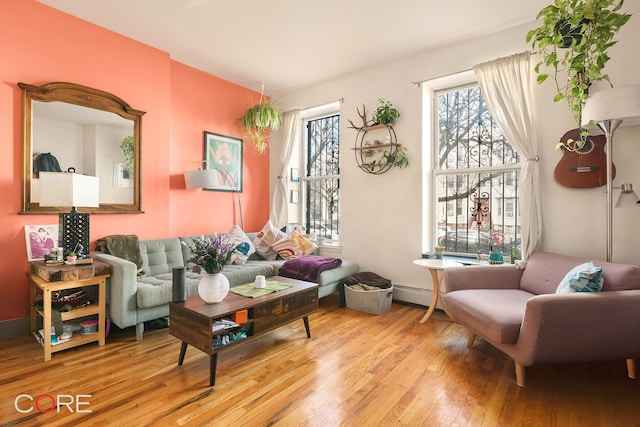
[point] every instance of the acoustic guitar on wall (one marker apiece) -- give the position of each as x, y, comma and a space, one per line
584, 167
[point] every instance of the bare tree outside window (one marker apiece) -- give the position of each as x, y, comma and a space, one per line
476, 177
322, 178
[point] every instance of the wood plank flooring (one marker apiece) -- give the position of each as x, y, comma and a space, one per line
356, 370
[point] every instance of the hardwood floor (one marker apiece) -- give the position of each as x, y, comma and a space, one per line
356, 370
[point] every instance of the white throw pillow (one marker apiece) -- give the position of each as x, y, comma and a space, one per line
238, 237
265, 238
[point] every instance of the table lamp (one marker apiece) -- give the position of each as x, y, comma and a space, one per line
74, 190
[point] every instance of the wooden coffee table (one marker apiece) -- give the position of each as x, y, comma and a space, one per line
192, 321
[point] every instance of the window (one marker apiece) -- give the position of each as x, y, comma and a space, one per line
321, 183
476, 177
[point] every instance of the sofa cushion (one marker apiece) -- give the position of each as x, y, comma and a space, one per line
498, 313
585, 277
239, 237
160, 255
294, 245
265, 238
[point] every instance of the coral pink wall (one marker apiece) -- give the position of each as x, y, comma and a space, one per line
42, 45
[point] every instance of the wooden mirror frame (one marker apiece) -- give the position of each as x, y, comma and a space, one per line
83, 96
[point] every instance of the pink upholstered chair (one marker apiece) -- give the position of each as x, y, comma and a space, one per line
519, 313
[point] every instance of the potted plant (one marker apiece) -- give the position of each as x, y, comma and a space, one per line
258, 121
398, 157
127, 149
573, 39
385, 113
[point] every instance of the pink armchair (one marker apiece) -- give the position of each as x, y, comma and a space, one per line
519, 313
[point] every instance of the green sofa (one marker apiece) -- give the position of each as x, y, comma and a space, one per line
133, 300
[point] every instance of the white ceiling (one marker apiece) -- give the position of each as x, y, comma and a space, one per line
290, 44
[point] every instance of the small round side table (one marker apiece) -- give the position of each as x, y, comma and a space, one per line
435, 265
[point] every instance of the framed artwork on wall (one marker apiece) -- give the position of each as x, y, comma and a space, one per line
40, 240
224, 155
295, 175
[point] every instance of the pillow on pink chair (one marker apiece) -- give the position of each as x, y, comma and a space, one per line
582, 278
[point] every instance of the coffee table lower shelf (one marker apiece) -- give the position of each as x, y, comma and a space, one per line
192, 321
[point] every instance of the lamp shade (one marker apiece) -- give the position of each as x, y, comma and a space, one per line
618, 103
65, 189
201, 178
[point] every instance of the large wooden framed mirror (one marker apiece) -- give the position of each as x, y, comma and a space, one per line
66, 125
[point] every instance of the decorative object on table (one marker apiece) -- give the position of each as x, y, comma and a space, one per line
385, 112
582, 167
259, 120
611, 108
211, 254
260, 282
251, 291
573, 40
178, 284
41, 240
74, 190
439, 251
212, 288
495, 258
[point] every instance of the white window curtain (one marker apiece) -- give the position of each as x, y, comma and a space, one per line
279, 204
507, 86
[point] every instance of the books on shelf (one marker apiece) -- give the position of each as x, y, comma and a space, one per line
220, 324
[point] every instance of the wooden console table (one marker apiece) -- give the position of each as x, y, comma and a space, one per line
47, 287
192, 320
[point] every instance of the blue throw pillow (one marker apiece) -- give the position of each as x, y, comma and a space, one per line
582, 278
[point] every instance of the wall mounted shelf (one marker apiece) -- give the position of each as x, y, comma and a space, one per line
373, 157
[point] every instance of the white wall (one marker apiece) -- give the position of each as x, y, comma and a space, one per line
381, 215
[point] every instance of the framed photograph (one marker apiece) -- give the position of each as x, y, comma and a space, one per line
295, 175
40, 240
224, 154
295, 196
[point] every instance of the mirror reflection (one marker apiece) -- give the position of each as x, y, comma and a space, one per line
72, 127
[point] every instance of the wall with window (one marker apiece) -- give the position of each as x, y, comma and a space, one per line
383, 217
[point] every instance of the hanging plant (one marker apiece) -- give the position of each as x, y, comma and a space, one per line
127, 149
573, 40
258, 121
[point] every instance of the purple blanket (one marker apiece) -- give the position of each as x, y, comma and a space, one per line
308, 267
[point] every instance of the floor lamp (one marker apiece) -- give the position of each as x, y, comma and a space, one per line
611, 108
205, 177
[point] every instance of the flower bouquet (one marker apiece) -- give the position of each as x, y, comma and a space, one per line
212, 252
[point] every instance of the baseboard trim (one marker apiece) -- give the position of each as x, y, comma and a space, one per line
14, 328
413, 295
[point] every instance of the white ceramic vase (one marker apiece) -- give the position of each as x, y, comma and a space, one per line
213, 288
